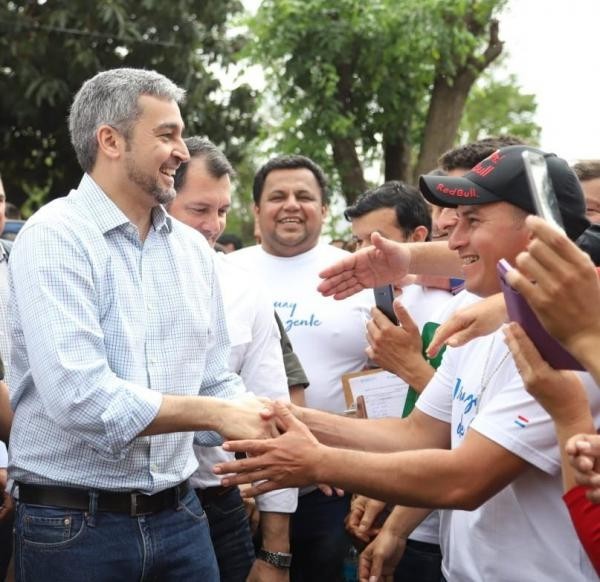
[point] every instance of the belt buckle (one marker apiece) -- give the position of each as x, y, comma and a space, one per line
133, 506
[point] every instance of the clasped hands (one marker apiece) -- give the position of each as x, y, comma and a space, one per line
287, 457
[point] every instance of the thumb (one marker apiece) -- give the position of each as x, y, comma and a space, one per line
382, 243
404, 318
283, 417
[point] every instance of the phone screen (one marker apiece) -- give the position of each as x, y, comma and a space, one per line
540, 185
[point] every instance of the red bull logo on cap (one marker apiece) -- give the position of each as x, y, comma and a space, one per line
458, 192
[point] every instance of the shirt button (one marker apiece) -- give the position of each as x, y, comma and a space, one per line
153, 468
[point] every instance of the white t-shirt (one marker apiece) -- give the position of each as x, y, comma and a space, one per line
256, 356
524, 532
328, 336
424, 303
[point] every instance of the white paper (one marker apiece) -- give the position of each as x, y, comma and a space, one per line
384, 393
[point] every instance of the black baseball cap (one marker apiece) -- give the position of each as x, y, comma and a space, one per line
501, 178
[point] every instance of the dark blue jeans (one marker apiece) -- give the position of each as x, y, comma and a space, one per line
231, 535
62, 545
318, 538
421, 562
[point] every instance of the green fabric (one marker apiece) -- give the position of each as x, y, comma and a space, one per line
426, 337
293, 368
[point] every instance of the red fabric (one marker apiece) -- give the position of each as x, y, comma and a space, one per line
586, 519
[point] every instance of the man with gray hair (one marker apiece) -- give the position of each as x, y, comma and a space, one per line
120, 354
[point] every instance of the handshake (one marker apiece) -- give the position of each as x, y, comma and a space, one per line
282, 452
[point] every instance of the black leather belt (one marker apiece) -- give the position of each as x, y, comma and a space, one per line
135, 504
213, 493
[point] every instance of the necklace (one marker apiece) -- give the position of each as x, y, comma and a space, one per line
485, 381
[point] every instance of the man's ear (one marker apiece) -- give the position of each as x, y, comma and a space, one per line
110, 142
419, 234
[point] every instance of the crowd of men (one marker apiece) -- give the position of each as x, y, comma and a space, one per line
177, 413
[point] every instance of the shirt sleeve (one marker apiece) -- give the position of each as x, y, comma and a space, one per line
54, 290
585, 516
296, 376
514, 420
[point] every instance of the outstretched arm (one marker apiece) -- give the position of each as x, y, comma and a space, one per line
385, 262
462, 478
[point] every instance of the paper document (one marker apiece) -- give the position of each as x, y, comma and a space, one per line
384, 392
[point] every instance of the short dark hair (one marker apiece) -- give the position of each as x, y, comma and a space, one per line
228, 238
469, 155
587, 170
289, 162
216, 161
410, 206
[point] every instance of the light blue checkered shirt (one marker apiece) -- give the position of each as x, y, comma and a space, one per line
103, 324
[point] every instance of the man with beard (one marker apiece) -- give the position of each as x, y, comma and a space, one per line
120, 354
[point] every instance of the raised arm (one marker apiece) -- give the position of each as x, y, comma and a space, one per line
384, 262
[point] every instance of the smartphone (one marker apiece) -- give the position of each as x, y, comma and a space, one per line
519, 310
540, 186
384, 300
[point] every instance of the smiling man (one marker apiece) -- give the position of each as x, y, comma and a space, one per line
290, 203
120, 354
488, 452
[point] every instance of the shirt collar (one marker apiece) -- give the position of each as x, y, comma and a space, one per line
107, 215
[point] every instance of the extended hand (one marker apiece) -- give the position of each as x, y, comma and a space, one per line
247, 417
290, 460
384, 262
466, 324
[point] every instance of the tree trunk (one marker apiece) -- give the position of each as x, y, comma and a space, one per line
448, 100
397, 160
443, 118
349, 168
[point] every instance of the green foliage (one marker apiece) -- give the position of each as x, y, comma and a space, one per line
364, 71
499, 108
47, 50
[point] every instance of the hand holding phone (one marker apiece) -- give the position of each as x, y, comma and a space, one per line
384, 300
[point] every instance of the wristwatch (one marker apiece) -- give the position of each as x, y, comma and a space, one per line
277, 559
